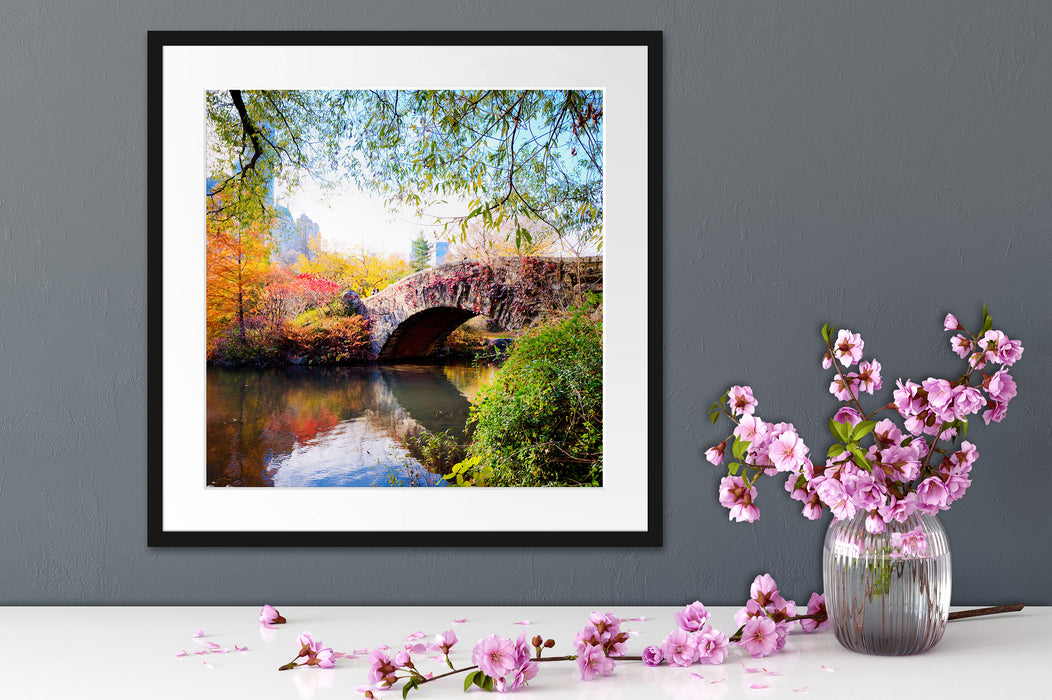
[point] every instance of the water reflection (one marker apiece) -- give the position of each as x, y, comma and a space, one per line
331, 426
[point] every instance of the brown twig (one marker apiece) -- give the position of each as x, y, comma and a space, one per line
977, 612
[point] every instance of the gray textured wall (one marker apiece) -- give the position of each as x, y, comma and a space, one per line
870, 164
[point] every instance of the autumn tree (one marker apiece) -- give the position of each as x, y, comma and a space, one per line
361, 270
236, 265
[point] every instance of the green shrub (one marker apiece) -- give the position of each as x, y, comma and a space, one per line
540, 421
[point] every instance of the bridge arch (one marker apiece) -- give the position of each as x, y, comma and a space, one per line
413, 317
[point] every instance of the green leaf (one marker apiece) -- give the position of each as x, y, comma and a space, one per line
863, 429
841, 431
860, 457
835, 451
469, 680
732, 468
740, 446
964, 429
409, 686
714, 416
487, 685
988, 322
825, 332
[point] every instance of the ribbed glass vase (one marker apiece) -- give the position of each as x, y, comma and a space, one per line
887, 594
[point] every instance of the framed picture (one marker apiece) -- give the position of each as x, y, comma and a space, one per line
404, 289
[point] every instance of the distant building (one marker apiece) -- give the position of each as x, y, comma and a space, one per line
441, 251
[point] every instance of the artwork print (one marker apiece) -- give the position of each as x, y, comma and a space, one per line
402, 283
404, 288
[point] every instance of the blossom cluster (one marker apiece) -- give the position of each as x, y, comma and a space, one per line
598, 644
694, 641
902, 470
384, 669
315, 653
767, 617
507, 663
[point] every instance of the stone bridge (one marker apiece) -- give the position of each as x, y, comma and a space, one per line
413, 317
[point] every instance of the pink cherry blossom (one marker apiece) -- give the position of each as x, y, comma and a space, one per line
692, 618
845, 388
680, 648
961, 345
752, 609
495, 656
950, 323
381, 668
1001, 386
816, 605
715, 454
593, 662
966, 401
1009, 352
712, 646
750, 428
835, 496
652, 656
848, 416
848, 347
736, 495
788, 451
444, 641
269, 615
869, 376
931, 495
875, 523
908, 400
741, 401
763, 589
996, 413
759, 637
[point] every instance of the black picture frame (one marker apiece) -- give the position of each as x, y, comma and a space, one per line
167, 515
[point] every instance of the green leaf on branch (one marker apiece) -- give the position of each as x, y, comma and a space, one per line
988, 322
733, 468
410, 685
860, 457
714, 416
964, 429
825, 332
862, 429
841, 431
469, 680
835, 451
740, 446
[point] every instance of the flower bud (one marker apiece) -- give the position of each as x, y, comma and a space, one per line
548, 644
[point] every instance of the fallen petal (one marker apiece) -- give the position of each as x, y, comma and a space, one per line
801, 689
220, 651
750, 670
415, 635
698, 675
211, 645
523, 622
199, 633
827, 668
715, 682
181, 652
758, 686
460, 621
237, 648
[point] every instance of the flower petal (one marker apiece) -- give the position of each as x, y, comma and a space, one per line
698, 675
460, 621
523, 622
758, 686
181, 652
199, 633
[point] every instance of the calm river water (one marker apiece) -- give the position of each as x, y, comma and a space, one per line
332, 426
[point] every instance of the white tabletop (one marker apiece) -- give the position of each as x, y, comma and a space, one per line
131, 652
